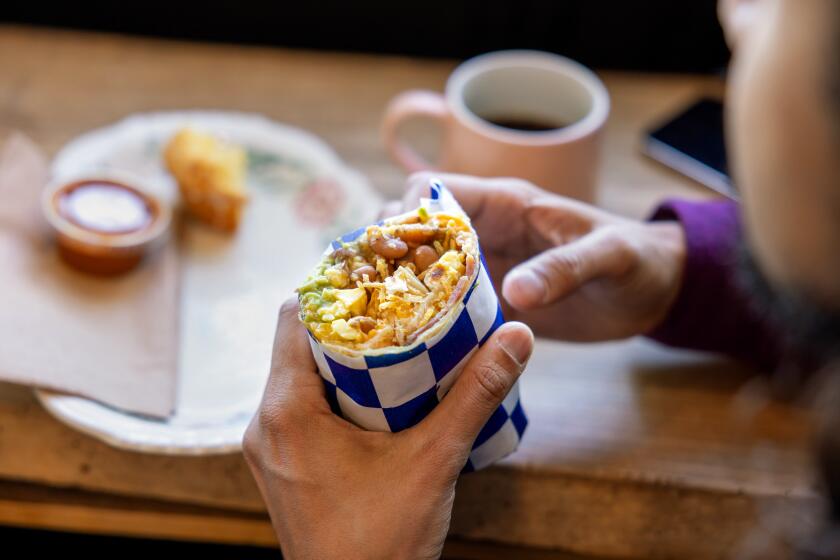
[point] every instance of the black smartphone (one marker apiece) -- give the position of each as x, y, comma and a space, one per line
693, 143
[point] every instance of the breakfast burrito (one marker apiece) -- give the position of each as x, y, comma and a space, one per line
395, 310
394, 283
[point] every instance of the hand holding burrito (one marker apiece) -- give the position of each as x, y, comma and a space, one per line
395, 310
333, 488
569, 270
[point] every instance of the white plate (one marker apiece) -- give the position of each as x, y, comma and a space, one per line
302, 196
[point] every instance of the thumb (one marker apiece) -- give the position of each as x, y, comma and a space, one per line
482, 386
560, 271
293, 375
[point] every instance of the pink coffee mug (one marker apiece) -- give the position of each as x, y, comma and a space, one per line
527, 114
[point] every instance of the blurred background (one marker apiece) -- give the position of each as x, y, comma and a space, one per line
660, 36
655, 35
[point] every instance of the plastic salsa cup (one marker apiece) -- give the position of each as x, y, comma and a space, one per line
104, 224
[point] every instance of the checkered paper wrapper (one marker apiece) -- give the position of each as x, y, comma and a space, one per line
394, 389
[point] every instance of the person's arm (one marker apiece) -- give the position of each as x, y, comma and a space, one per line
575, 272
712, 310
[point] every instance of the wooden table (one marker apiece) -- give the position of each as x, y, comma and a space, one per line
633, 451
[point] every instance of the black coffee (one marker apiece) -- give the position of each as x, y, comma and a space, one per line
526, 124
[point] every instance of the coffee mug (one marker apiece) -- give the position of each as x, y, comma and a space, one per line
528, 114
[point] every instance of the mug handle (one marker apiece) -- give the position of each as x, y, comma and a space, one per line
405, 106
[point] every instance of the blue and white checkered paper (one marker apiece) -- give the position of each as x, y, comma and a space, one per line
396, 389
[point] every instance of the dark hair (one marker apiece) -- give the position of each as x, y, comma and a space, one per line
813, 345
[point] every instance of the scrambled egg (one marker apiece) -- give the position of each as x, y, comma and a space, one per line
392, 284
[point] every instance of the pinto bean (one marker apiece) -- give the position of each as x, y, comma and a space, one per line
388, 247
411, 220
407, 259
343, 254
424, 257
416, 234
363, 271
364, 324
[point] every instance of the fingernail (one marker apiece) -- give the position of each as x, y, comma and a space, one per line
529, 284
517, 344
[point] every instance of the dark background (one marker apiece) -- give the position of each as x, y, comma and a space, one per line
657, 35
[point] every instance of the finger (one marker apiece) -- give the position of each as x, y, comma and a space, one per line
293, 368
559, 219
558, 272
482, 386
472, 193
736, 18
495, 206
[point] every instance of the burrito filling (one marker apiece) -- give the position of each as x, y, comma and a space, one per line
391, 284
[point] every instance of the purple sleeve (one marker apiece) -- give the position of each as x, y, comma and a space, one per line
711, 311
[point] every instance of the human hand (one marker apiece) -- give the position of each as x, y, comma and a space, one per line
569, 270
334, 490
737, 18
